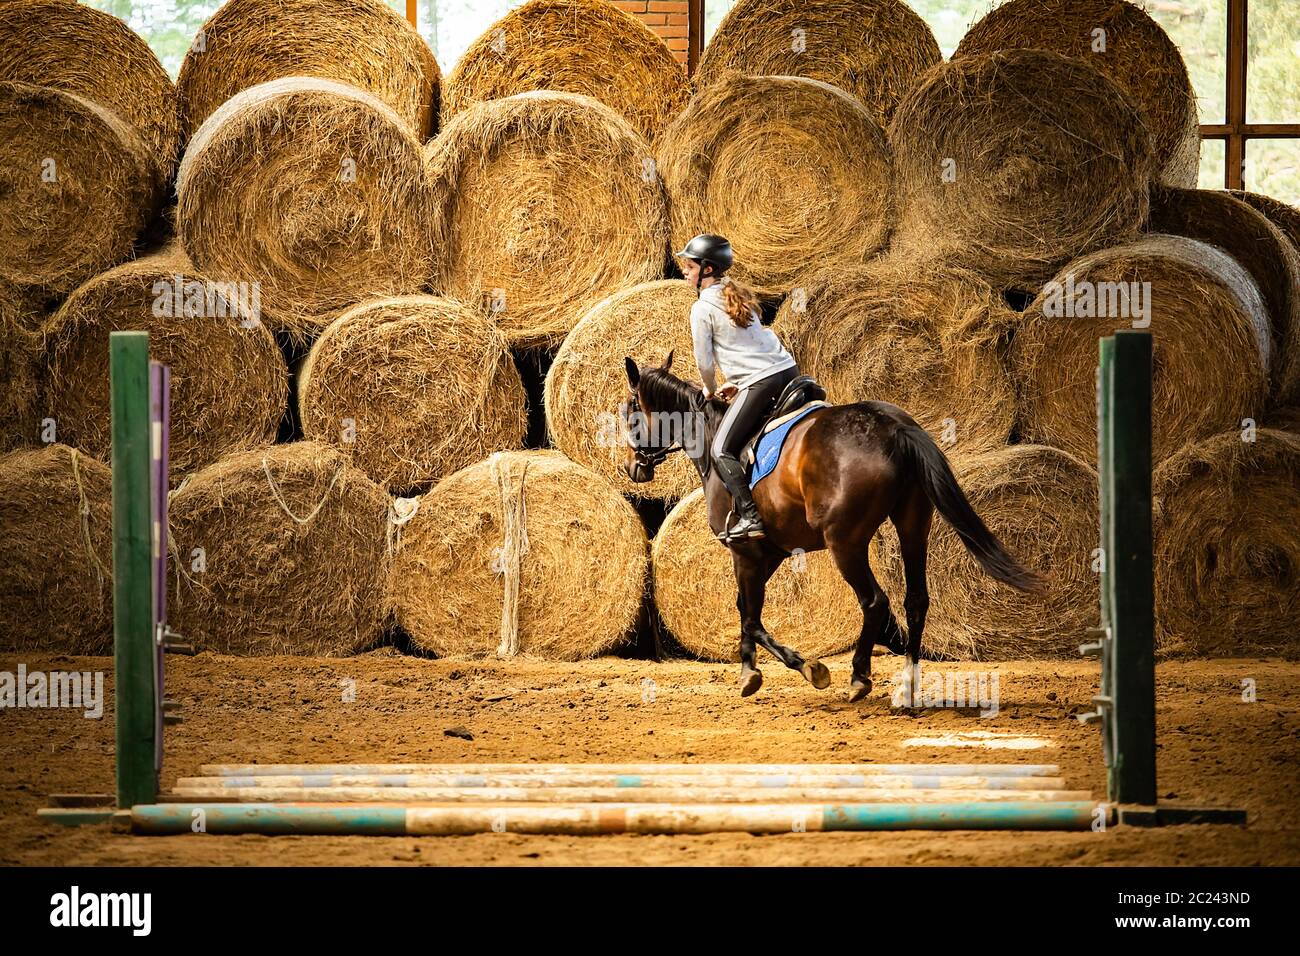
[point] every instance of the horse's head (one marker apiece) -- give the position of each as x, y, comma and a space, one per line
647, 445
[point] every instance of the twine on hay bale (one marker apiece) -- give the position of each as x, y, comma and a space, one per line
587, 380
1041, 503
56, 552
77, 184
412, 389
874, 50
1210, 341
1227, 546
229, 381
578, 546
794, 172
1131, 49
280, 550
931, 343
548, 203
363, 43
313, 189
572, 46
1016, 200
808, 605
1261, 248
78, 49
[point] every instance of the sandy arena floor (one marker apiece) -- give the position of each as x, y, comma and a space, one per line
1215, 749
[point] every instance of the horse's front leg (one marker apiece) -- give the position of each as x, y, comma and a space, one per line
754, 567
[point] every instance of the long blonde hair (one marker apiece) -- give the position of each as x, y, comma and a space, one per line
741, 301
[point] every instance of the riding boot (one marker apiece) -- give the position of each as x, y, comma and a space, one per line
749, 524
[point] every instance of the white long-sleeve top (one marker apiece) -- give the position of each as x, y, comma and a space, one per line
742, 355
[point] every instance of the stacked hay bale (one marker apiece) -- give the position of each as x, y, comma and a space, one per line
56, 552
281, 550
547, 203
1041, 503
1015, 201
80, 50
525, 552
874, 50
932, 344
19, 400
794, 172
229, 383
1261, 248
88, 138
588, 47
1121, 41
808, 605
1191, 294
587, 382
412, 388
361, 43
1227, 560
313, 189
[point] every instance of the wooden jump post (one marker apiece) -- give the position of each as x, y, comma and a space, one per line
1126, 705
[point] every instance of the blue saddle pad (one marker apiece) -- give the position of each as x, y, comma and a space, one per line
768, 452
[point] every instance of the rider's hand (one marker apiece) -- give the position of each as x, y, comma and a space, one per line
727, 392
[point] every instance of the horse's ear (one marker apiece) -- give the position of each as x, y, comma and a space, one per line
668, 362
633, 373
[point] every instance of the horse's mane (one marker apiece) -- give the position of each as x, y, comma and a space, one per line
664, 390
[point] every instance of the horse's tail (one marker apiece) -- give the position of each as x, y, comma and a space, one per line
931, 467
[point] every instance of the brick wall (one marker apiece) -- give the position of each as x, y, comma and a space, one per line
668, 18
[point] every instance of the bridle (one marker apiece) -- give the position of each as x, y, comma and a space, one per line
648, 458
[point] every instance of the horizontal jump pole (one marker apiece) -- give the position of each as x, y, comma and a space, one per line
578, 819
774, 769
601, 795
635, 781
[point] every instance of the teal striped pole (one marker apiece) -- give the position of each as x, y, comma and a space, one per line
133, 645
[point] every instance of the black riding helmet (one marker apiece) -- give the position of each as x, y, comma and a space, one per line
708, 250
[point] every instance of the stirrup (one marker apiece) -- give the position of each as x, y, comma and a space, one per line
728, 533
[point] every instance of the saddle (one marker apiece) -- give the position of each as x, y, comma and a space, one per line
801, 392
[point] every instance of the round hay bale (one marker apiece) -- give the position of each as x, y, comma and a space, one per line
280, 550
229, 381
932, 344
1285, 217
1287, 419
77, 185
77, 49
412, 388
313, 189
1261, 247
1014, 163
1227, 548
1133, 50
526, 546
363, 43
56, 552
808, 605
572, 46
587, 380
874, 50
794, 172
19, 401
548, 203
1042, 505
1210, 342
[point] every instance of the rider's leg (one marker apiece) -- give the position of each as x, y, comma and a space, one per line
743, 417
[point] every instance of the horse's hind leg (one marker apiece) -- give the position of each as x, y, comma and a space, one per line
878, 622
912, 522
754, 568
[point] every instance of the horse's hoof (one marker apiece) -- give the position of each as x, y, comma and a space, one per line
817, 674
750, 682
858, 689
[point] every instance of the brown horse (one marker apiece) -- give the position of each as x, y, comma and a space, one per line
844, 470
